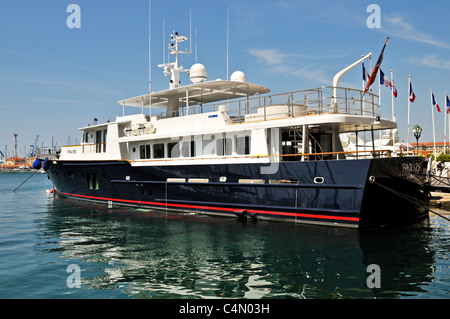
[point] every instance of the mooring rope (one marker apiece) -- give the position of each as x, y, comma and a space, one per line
25, 180
411, 199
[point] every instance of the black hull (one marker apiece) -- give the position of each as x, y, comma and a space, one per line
349, 193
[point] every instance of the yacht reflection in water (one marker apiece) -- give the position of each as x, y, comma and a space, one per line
158, 254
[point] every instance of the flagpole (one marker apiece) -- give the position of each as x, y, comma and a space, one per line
409, 107
379, 88
432, 116
380, 132
375, 70
364, 105
447, 106
445, 121
392, 95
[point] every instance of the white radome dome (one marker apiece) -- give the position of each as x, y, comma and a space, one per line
197, 73
238, 76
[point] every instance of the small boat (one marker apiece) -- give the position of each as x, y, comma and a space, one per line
232, 148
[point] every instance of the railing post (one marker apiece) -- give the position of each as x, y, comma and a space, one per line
373, 105
239, 109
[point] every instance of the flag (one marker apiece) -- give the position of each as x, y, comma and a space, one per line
435, 103
394, 89
412, 96
365, 74
448, 103
384, 80
375, 69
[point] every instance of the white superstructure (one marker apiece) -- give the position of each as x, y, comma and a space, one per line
227, 121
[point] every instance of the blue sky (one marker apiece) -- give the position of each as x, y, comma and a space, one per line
54, 79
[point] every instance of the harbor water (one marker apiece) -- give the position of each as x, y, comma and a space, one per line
56, 248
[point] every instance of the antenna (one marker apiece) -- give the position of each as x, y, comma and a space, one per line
150, 46
196, 55
190, 30
173, 68
164, 42
228, 38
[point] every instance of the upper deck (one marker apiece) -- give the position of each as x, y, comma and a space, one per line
358, 112
229, 107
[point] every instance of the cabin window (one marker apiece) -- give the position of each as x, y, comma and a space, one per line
188, 149
98, 141
88, 180
92, 181
158, 150
173, 149
193, 154
288, 142
95, 181
104, 140
224, 146
243, 145
144, 152
209, 145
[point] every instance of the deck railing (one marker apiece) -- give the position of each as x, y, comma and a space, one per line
291, 104
280, 158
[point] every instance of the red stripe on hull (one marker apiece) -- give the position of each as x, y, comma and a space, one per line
340, 218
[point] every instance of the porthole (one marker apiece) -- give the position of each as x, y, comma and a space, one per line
319, 180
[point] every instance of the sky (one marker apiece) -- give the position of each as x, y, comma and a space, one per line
55, 78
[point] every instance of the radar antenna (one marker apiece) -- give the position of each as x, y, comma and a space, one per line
173, 68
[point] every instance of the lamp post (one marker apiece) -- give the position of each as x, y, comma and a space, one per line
417, 130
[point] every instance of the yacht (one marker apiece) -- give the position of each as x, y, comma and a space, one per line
232, 148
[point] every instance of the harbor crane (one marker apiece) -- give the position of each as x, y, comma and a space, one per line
33, 147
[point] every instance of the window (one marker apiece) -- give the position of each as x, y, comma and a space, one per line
95, 181
193, 154
173, 149
98, 141
144, 152
88, 180
243, 145
158, 150
209, 145
104, 140
224, 146
188, 149
92, 181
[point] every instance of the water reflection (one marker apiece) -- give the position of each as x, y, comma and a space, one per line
148, 254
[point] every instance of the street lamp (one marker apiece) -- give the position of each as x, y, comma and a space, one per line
417, 130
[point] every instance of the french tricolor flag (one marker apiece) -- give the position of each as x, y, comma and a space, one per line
435, 103
448, 103
412, 96
384, 80
394, 90
365, 74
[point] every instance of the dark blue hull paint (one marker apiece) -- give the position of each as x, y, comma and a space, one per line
354, 193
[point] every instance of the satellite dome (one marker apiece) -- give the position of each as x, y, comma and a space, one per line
238, 76
197, 73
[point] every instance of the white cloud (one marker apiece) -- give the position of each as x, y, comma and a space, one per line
397, 26
270, 56
281, 63
431, 61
